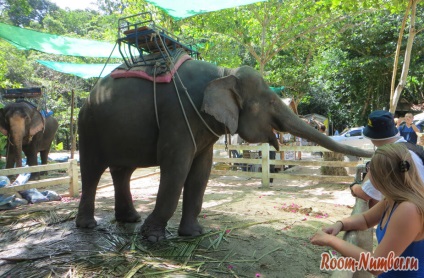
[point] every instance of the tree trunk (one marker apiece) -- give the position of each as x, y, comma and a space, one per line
395, 95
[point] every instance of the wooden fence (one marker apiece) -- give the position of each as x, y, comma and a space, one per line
71, 178
264, 162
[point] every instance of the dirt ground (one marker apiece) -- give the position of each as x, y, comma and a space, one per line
252, 232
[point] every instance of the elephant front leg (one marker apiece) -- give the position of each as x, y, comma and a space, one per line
31, 156
10, 156
44, 156
124, 208
194, 190
173, 175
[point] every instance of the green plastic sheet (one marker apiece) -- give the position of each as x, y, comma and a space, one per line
180, 9
54, 44
26, 39
82, 70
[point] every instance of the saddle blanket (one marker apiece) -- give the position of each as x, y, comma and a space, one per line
153, 64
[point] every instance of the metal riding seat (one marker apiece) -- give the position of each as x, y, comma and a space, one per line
21, 93
139, 36
33, 96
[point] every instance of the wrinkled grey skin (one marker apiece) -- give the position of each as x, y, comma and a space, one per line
28, 131
118, 129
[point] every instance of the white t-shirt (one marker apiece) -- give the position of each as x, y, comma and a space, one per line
370, 190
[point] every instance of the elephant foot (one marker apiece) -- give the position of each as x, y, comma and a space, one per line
192, 228
34, 177
152, 231
84, 222
128, 217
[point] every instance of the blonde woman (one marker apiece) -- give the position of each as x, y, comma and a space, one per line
399, 217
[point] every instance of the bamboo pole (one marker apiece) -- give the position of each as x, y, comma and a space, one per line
72, 124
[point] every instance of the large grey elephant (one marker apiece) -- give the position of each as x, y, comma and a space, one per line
27, 131
119, 129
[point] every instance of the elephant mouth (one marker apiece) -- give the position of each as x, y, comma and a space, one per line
274, 142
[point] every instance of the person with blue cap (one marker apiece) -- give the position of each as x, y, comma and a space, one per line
381, 130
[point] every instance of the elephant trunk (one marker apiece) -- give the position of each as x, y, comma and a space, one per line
18, 153
17, 133
298, 127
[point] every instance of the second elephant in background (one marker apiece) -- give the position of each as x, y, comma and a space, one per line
27, 131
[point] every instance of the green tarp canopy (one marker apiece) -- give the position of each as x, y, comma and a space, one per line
180, 9
277, 89
26, 39
81, 70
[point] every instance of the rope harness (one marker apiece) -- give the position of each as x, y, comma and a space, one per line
171, 65
154, 94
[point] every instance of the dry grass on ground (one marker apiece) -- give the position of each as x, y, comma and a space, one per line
251, 232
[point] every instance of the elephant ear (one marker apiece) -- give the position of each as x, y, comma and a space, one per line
37, 123
3, 125
223, 101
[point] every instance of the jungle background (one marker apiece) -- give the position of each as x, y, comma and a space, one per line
333, 58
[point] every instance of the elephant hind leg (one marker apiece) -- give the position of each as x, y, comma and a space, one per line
124, 208
90, 177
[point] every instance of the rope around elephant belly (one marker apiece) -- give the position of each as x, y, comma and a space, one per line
185, 117
154, 95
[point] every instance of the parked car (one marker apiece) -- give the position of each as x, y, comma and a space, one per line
354, 137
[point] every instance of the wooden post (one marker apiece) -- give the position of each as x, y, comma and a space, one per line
72, 124
73, 174
363, 239
265, 165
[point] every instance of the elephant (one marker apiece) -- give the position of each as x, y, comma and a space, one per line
28, 131
126, 123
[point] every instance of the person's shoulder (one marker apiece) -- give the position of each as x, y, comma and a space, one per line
400, 139
417, 160
407, 208
407, 216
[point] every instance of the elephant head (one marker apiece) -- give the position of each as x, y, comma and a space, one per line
19, 121
245, 104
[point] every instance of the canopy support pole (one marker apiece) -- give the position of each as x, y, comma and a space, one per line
73, 141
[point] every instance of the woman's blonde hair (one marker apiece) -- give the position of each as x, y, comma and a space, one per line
394, 174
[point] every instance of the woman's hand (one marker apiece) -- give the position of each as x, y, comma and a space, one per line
321, 238
333, 229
